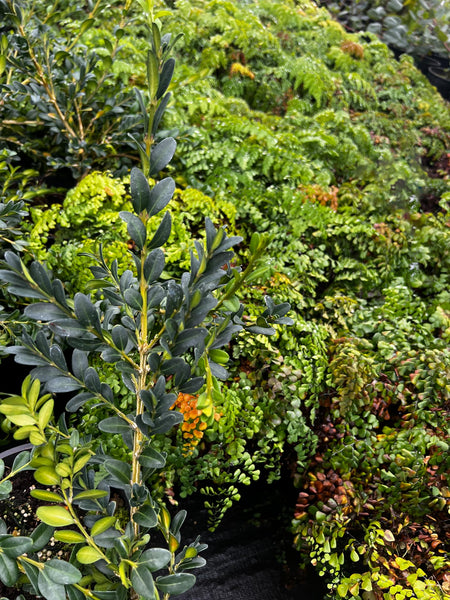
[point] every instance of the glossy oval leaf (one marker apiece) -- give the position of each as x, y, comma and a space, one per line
135, 227
13, 546
67, 536
61, 571
50, 589
88, 555
175, 584
9, 571
162, 155
46, 476
142, 582
56, 516
155, 558
102, 525
140, 190
46, 496
154, 265
161, 194
152, 459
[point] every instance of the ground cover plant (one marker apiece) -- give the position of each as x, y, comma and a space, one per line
291, 127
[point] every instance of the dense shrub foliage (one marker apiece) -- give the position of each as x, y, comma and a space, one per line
290, 127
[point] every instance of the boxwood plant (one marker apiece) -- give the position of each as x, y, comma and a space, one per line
163, 337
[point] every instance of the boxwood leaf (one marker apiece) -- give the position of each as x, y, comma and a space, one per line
56, 516
67, 536
152, 459
175, 584
88, 555
162, 155
61, 385
21, 460
77, 401
160, 111
86, 312
135, 227
46, 476
142, 582
8, 570
32, 573
46, 496
140, 190
118, 469
44, 311
161, 193
50, 589
155, 558
188, 338
90, 494
13, 546
60, 571
120, 336
154, 265
165, 77
162, 233
146, 516
41, 536
114, 425
102, 525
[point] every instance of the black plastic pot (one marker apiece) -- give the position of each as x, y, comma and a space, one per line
440, 78
10, 454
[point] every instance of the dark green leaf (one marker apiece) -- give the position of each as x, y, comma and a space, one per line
114, 425
32, 573
118, 469
165, 77
79, 363
142, 582
77, 401
165, 422
13, 546
49, 589
120, 336
41, 536
154, 265
9, 571
140, 190
155, 558
43, 311
152, 459
192, 386
162, 155
92, 380
86, 312
135, 227
146, 516
20, 460
162, 233
75, 594
61, 385
161, 193
177, 522
175, 584
189, 338
133, 298
62, 572
160, 111
40, 275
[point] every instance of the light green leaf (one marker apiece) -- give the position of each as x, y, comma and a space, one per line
88, 555
57, 516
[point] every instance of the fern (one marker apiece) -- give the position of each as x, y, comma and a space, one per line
312, 77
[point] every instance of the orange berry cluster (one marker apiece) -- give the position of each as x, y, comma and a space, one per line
192, 427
